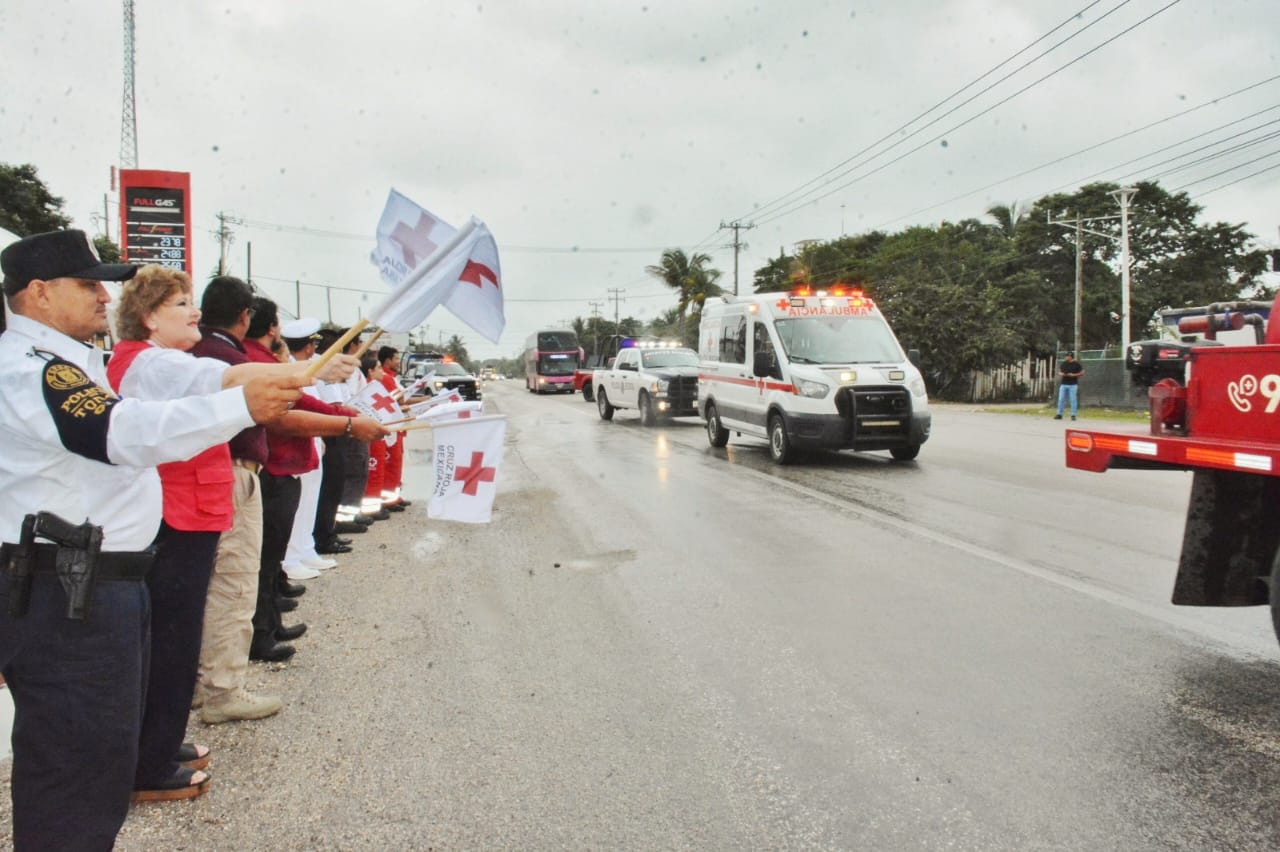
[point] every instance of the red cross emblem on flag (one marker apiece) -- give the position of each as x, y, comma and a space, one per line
473, 272
383, 402
473, 474
414, 241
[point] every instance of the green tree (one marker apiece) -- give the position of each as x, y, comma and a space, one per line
1007, 217
26, 204
690, 277
457, 348
774, 276
1175, 261
846, 260
107, 248
942, 295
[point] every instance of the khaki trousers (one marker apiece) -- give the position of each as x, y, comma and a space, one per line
233, 595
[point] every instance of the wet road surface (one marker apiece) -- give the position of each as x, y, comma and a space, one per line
659, 645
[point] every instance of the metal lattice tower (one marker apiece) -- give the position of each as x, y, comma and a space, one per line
128, 117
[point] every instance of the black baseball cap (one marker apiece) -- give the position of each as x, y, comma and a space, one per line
57, 254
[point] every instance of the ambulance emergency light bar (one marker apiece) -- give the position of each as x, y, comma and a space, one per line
828, 299
631, 343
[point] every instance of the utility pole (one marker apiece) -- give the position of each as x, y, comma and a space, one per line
1080, 230
1122, 196
1079, 281
616, 294
595, 315
738, 245
225, 238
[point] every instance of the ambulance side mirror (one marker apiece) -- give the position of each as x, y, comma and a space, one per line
913, 355
763, 364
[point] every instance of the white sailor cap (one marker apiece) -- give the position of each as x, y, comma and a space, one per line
300, 329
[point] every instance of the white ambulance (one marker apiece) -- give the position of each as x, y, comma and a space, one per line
808, 370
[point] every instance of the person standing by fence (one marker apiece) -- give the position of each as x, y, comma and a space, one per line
1069, 384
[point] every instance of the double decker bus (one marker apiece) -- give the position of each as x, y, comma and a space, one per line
550, 359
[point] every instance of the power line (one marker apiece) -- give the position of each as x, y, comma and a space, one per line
780, 199
1227, 171
1238, 180
1093, 147
793, 208
303, 230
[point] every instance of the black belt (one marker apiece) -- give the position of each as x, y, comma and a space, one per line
111, 565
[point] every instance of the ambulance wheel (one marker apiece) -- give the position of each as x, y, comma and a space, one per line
648, 417
717, 435
586, 393
905, 453
603, 406
1275, 594
779, 444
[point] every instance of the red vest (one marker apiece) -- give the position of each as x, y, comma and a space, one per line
197, 492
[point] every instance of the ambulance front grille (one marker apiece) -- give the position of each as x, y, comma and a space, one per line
875, 413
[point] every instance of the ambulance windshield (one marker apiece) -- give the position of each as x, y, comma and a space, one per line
838, 340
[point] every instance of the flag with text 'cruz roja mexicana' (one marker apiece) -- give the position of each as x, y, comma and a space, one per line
429, 263
376, 401
466, 455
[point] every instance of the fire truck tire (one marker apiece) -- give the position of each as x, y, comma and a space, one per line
602, 405
648, 416
779, 443
717, 435
905, 453
587, 393
1275, 594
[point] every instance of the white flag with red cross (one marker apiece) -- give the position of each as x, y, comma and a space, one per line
466, 457
428, 263
451, 411
452, 395
377, 402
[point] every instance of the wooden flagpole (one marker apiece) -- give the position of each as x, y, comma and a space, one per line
336, 348
364, 347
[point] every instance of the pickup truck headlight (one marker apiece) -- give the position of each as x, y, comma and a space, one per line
917, 386
815, 390
659, 386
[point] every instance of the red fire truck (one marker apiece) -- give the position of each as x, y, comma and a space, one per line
1215, 410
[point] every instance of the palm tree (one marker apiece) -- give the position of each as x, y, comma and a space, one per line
688, 276
1007, 216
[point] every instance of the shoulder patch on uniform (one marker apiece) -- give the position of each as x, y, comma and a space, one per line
80, 408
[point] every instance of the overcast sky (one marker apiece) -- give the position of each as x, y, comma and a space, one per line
590, 136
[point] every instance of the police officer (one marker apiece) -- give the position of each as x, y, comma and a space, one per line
74, 451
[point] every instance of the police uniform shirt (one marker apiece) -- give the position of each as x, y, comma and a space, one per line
72, 448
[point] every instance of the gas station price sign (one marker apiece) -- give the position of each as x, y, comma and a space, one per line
155, 217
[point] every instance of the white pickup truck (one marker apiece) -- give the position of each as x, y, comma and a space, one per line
657, 381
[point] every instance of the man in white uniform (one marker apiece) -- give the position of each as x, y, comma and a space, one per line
73, 645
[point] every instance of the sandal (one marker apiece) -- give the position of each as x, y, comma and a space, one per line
183, 784
192, 756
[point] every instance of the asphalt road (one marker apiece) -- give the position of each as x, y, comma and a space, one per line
660, 645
